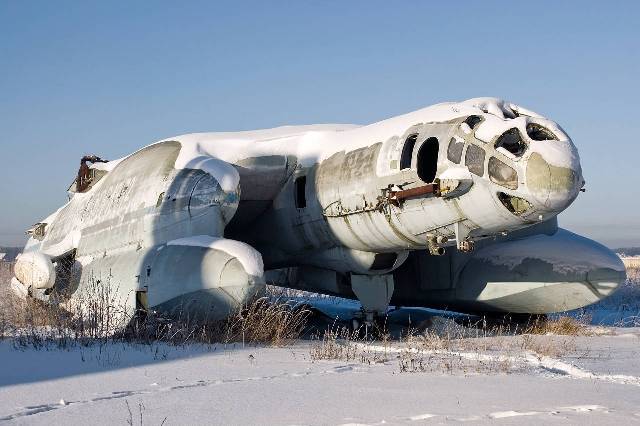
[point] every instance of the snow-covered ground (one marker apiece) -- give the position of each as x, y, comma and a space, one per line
598, 383
509, 379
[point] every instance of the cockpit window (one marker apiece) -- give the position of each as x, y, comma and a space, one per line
89, 178
512, 142
474, 160
502, 174
454, 152
540, 133
407, 152
473, 120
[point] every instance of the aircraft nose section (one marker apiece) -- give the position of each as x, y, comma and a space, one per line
554, 181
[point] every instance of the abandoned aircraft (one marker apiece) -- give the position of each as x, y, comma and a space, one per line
452, 206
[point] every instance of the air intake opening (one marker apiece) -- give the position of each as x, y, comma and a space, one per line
511, 140
428, 160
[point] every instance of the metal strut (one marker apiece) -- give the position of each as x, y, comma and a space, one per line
396, 197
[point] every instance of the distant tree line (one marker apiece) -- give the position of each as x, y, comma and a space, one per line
628, 251
10, 253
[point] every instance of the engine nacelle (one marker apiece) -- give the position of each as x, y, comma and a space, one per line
543, 273
35, 269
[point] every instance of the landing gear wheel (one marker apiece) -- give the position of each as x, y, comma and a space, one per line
371, 330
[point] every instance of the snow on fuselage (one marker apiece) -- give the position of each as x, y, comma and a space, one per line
350, 199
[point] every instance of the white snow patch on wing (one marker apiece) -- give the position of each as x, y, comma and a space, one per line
505, 414
421, 417
584, 408
249, 257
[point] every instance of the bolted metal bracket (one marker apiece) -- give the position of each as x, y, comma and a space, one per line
435, 243
463, 242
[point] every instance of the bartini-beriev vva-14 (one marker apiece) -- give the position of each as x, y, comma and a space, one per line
452, 206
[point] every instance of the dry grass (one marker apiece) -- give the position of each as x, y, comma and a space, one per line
439, 345
545, 346
340, 343
99, 315
442, 345
445, 346
95, 315
564, 325
274, 323
336, 344
633, 274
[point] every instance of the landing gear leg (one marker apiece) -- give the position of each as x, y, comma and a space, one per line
374, 293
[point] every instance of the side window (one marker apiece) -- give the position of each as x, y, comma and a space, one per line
454, 153
502, 174
407, 151
428, 160
474, 160
300, 192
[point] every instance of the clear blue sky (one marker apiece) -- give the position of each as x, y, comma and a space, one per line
108, 77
